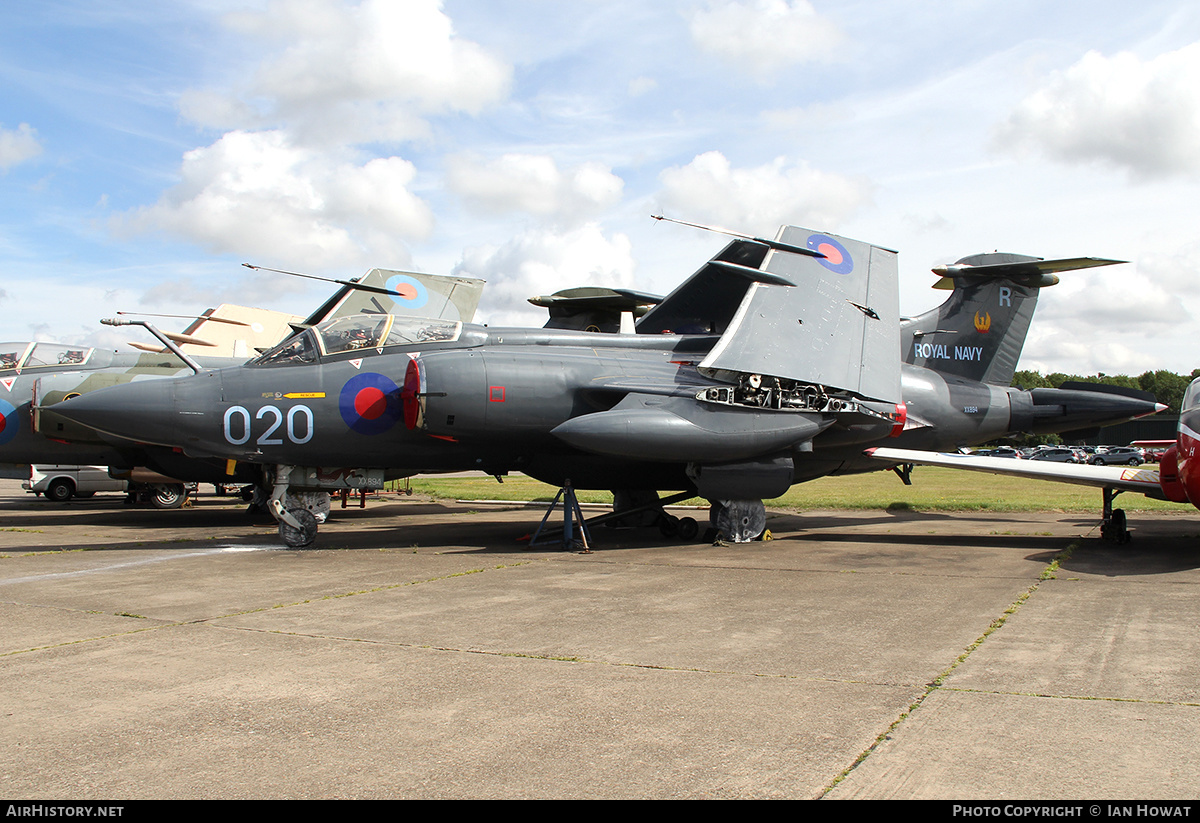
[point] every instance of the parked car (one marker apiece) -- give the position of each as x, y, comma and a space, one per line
1056, 454
1119, 456
61, 483
1002, 451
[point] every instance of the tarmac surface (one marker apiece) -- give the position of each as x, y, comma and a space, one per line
421, 651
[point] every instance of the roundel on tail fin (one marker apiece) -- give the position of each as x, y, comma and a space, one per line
411, 292
835, 257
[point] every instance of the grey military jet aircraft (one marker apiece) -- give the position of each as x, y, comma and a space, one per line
36, 375
777, 362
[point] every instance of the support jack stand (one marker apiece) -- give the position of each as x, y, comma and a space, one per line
571, 515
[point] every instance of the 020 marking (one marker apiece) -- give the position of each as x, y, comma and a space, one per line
293, 428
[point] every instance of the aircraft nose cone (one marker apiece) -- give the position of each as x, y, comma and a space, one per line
162, 412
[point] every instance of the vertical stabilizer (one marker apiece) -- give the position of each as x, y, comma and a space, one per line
979, 331
414, 294
828, 317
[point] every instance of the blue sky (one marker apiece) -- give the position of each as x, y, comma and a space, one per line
147, 149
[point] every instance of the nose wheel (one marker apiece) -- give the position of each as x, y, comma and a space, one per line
298, 517
303, 533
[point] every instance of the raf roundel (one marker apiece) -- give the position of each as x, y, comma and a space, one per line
410, 292
370, 403
836, 258
9, 422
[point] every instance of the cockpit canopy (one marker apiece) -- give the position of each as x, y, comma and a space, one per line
1191, 397
16, 356
366, 334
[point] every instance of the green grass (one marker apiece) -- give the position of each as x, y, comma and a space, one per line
933, 489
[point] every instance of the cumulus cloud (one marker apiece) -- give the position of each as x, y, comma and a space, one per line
1132, 306
533, 183
258, 194
1050, 350
1128, 302
1173, 271
541, 262
759, 199
354, 73
1141, 116
763, 36
18, 145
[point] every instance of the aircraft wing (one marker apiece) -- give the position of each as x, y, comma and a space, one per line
1125, 478
829, 317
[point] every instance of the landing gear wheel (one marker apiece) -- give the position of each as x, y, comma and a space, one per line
168, 496
687, 529
740, 521
259, 498
1114, 528
60, 491
302, 537
668, 526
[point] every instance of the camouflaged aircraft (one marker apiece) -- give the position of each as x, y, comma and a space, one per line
779, 361
33, 375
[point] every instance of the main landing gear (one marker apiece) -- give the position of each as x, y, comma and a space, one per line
738, 521
730, 521
1113, 528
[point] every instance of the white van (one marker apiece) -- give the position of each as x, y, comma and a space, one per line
61, 483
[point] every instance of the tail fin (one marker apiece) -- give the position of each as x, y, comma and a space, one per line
806, 307
415, 294
706, 302
978, 333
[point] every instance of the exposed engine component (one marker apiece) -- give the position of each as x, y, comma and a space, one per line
763, 392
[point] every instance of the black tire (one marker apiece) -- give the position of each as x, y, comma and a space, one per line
1120, 526
688, 529
1099, 461
668, 526
1137, 461
168, 496
60, 490
303, 537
